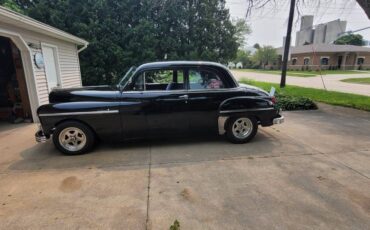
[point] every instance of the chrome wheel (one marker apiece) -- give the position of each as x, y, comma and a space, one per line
242, 127
72, 139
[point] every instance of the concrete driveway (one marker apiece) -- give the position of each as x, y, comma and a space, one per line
313, 172
332, 81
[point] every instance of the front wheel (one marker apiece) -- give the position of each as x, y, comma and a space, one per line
241, 129
73, 138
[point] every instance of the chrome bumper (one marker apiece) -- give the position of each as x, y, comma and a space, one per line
41, 137
278, 120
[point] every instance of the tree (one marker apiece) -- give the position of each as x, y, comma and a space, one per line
265, 55
117, 40
242, 30
244, 57
350, 39
11, 4
131, 32
256, 46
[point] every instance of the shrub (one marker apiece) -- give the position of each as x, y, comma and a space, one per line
175, 226
287, 102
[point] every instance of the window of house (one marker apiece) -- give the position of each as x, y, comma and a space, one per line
203, 79
294, 61
306, 61
324, 61
360, 61
159, 80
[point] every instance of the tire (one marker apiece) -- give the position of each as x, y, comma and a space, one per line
241, 129
73, 138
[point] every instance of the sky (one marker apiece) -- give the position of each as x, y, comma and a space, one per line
269, 24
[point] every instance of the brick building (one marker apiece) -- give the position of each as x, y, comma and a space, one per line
327, 56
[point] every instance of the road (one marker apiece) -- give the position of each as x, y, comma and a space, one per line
312, 172
332, 82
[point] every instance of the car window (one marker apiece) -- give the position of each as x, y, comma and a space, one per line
180, 76
159, 80
204, 79
138, 84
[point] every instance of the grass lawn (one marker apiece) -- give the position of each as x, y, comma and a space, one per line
328, 72
365, 81
319, 95
303, 73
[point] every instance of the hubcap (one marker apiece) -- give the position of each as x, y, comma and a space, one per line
72, 139
242, 128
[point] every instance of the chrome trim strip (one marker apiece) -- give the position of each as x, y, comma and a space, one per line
245, 110
78, 113
183, 90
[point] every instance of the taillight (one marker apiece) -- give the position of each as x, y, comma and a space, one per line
273, 100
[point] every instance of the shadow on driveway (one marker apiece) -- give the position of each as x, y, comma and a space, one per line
161, 152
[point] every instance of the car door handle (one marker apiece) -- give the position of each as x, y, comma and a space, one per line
184, 97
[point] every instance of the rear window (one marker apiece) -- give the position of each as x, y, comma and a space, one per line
204, 79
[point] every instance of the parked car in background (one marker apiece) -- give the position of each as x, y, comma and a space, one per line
154, 100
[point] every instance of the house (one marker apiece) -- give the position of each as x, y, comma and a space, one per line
231, 65
34, 59
251, 50
327, 56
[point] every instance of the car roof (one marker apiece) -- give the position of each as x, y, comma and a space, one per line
169, 64
164, 64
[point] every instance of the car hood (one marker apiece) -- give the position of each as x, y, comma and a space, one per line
97, 93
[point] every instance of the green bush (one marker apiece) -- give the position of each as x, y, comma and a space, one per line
175, 226
287, 102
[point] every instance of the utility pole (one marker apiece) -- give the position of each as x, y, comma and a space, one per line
287, 44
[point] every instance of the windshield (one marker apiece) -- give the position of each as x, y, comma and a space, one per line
127, 77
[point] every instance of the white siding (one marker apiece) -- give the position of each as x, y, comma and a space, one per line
69, 65
70, 74
41, 83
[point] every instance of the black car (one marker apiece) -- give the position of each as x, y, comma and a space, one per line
154, 100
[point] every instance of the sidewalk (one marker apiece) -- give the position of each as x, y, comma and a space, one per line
332, 82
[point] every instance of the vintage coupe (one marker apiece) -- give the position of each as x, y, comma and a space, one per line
155, 100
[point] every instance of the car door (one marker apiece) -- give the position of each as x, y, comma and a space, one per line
164, 100
207, 89
132, 112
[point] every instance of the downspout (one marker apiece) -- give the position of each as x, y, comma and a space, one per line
83, 47
78, 58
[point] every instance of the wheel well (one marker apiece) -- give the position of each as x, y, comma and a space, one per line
226, 122
77, 120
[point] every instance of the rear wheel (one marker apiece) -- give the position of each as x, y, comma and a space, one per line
73, 138
241, 129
